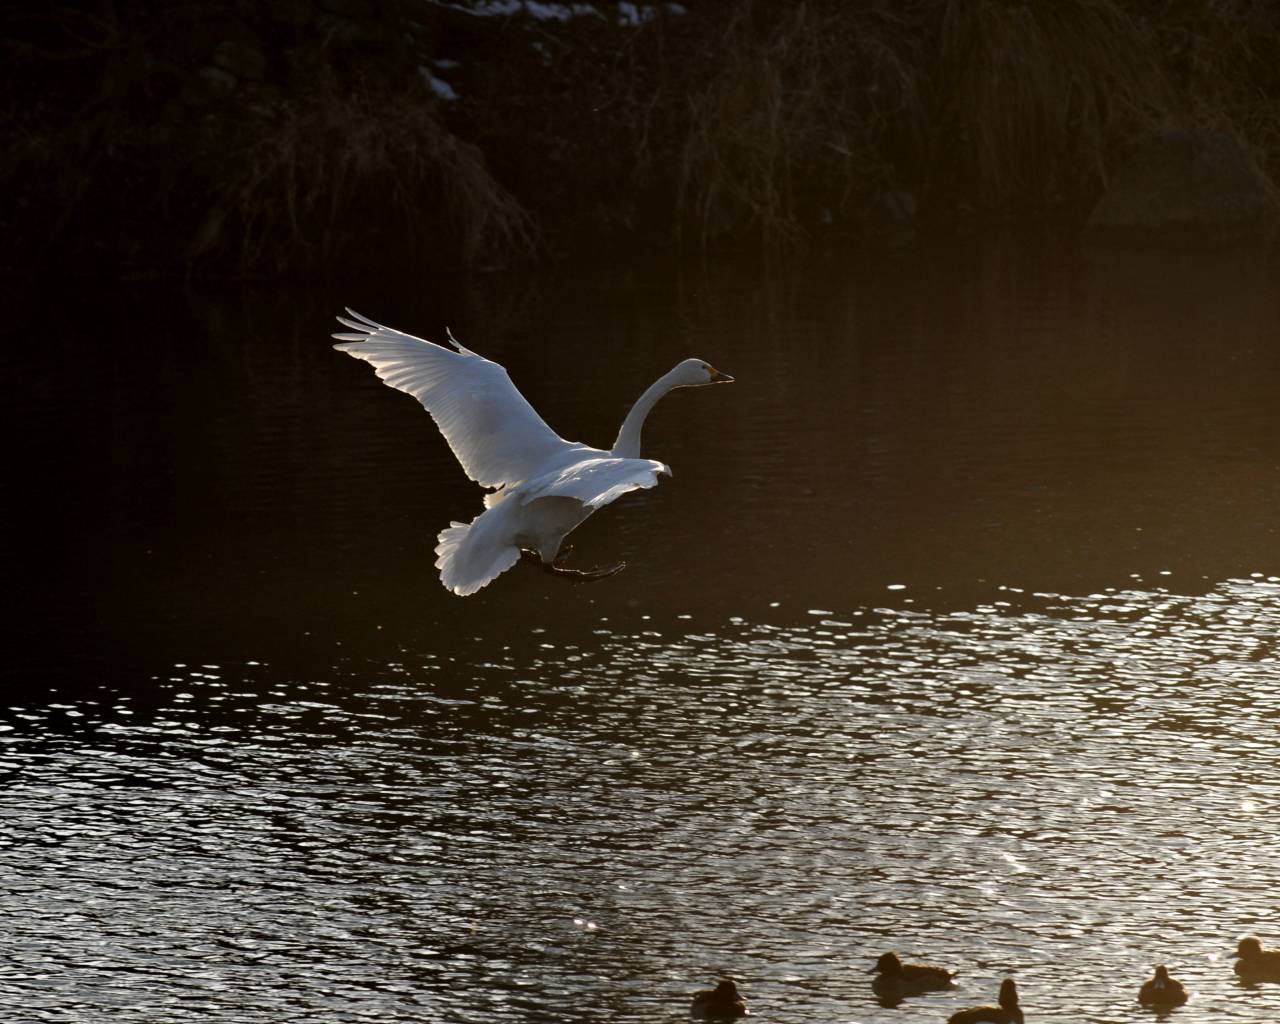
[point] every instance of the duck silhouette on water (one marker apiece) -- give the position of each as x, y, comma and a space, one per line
1256, 963
719, 1003
895, 981
1008, 1012
1162, 991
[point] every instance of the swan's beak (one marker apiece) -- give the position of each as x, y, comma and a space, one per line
719, 378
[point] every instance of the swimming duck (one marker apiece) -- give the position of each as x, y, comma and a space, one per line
894, 979
1256, 963
1162, 990
721, 1001
1008, 1012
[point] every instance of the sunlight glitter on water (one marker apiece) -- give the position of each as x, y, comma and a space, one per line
1063, 789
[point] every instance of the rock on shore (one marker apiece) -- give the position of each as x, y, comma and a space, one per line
1182, 187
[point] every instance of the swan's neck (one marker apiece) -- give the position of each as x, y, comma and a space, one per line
627, 446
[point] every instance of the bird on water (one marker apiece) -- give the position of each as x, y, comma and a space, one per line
723, 1001
542, 486
1162, 990
1008, 1012
1256, 963
895, 980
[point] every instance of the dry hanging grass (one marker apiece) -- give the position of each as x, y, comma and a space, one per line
1224, 62
343, 167
1037, 92
744, 122
792, 122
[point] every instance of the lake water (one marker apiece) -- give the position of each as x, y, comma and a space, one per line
955, 632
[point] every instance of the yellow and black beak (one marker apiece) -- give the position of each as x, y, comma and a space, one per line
719, 378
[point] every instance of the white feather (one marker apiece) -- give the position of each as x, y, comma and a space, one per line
494, 432
595, 481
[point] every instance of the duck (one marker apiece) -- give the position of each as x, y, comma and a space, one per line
723, 1001
895, 980
1256, 963
1008, 1012
1162, 990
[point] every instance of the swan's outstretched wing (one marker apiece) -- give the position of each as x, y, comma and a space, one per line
596, 482
492, 429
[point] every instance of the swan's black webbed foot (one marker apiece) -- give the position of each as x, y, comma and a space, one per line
573, 575
600, 572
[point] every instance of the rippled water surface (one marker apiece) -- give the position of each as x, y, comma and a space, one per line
955, 632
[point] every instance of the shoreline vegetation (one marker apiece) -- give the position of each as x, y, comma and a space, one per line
225, 138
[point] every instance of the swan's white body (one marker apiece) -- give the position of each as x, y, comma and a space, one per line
545, 485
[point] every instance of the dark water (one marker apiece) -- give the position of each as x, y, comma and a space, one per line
954, 632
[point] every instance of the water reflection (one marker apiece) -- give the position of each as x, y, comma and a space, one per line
1064, 789
1012, 413
926, 646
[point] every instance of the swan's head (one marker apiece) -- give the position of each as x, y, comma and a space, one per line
694, 373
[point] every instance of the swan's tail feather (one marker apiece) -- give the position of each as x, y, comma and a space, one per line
469, 556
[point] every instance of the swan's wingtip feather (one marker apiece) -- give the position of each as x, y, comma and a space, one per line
359, 322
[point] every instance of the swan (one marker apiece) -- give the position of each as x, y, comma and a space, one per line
542, 485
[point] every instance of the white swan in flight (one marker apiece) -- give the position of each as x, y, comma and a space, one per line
545, 486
